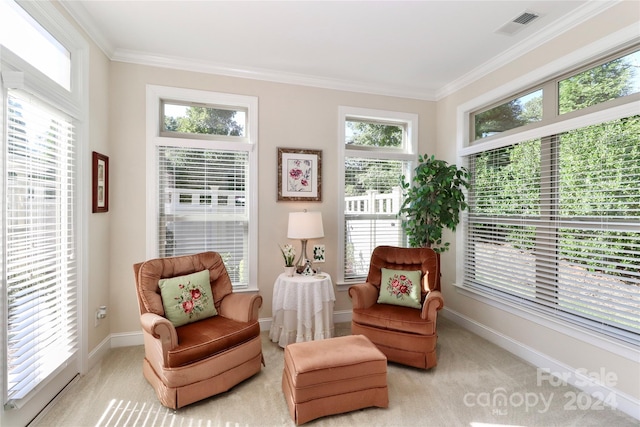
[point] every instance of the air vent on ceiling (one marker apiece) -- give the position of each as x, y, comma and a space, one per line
525, 18
518, 23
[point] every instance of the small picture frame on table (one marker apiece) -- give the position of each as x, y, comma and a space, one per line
318, 253
100, 183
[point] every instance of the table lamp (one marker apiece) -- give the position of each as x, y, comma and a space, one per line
304, 225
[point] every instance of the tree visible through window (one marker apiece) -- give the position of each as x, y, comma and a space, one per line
515, 113
611, 80
207, 120
555, 220
378, 150
203, 161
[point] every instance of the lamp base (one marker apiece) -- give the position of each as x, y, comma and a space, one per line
301, 264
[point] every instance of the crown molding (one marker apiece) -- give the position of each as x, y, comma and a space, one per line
190, 64
578, 16
561, 26
87, 24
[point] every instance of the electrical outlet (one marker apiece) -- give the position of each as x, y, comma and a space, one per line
101, 313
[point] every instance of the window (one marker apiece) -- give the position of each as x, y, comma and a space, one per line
517, 112
40, 217
182, 119
378, 147
204, 192
23, 35
588, 87
554, 219
40, 266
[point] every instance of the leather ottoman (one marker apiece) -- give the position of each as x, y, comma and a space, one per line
333, 376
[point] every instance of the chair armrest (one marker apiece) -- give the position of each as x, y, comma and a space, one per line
241, 307
432, 303
363, 295
162, 330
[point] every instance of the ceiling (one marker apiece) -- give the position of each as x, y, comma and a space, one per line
417, 49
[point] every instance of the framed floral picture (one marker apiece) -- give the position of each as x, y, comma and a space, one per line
318, 253
299, 174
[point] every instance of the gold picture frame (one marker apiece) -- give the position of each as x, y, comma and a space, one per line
299, 175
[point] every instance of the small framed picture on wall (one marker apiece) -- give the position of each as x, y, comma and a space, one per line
100, 182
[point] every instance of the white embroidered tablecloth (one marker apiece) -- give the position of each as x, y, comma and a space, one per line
302, 309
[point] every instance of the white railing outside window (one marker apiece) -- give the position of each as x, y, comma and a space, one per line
377, 148
374, 202
202, 180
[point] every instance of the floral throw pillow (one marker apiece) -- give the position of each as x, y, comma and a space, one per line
187, 298
399, 287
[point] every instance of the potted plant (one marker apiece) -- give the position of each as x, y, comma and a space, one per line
433, 202
289, 254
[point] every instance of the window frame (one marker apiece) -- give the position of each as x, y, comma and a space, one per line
409, 153
529, 91
175, 134
553, 123
33, 53
155, 96
17, 73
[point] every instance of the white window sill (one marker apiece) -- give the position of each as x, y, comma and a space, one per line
605, 342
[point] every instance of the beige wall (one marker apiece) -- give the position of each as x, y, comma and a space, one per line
565, 349
98, 238
289, 116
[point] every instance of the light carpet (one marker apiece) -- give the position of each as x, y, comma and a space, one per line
475, 384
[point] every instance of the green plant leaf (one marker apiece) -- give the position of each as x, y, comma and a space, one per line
433, 202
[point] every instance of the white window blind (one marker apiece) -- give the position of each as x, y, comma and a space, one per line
372, 200
554, 225
203, 206
377, 148
41, 257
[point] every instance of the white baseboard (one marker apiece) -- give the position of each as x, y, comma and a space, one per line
127, 339
265, 323
99, 352
342, 316
576, 377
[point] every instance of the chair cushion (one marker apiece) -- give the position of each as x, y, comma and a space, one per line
150, 272
400, 287
188, 298
206, 337
424, 259
402, 319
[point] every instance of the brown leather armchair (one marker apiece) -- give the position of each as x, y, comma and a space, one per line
405, 335
197, 360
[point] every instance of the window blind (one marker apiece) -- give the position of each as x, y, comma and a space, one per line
554, 224
41, 255
372, 200
203, 205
